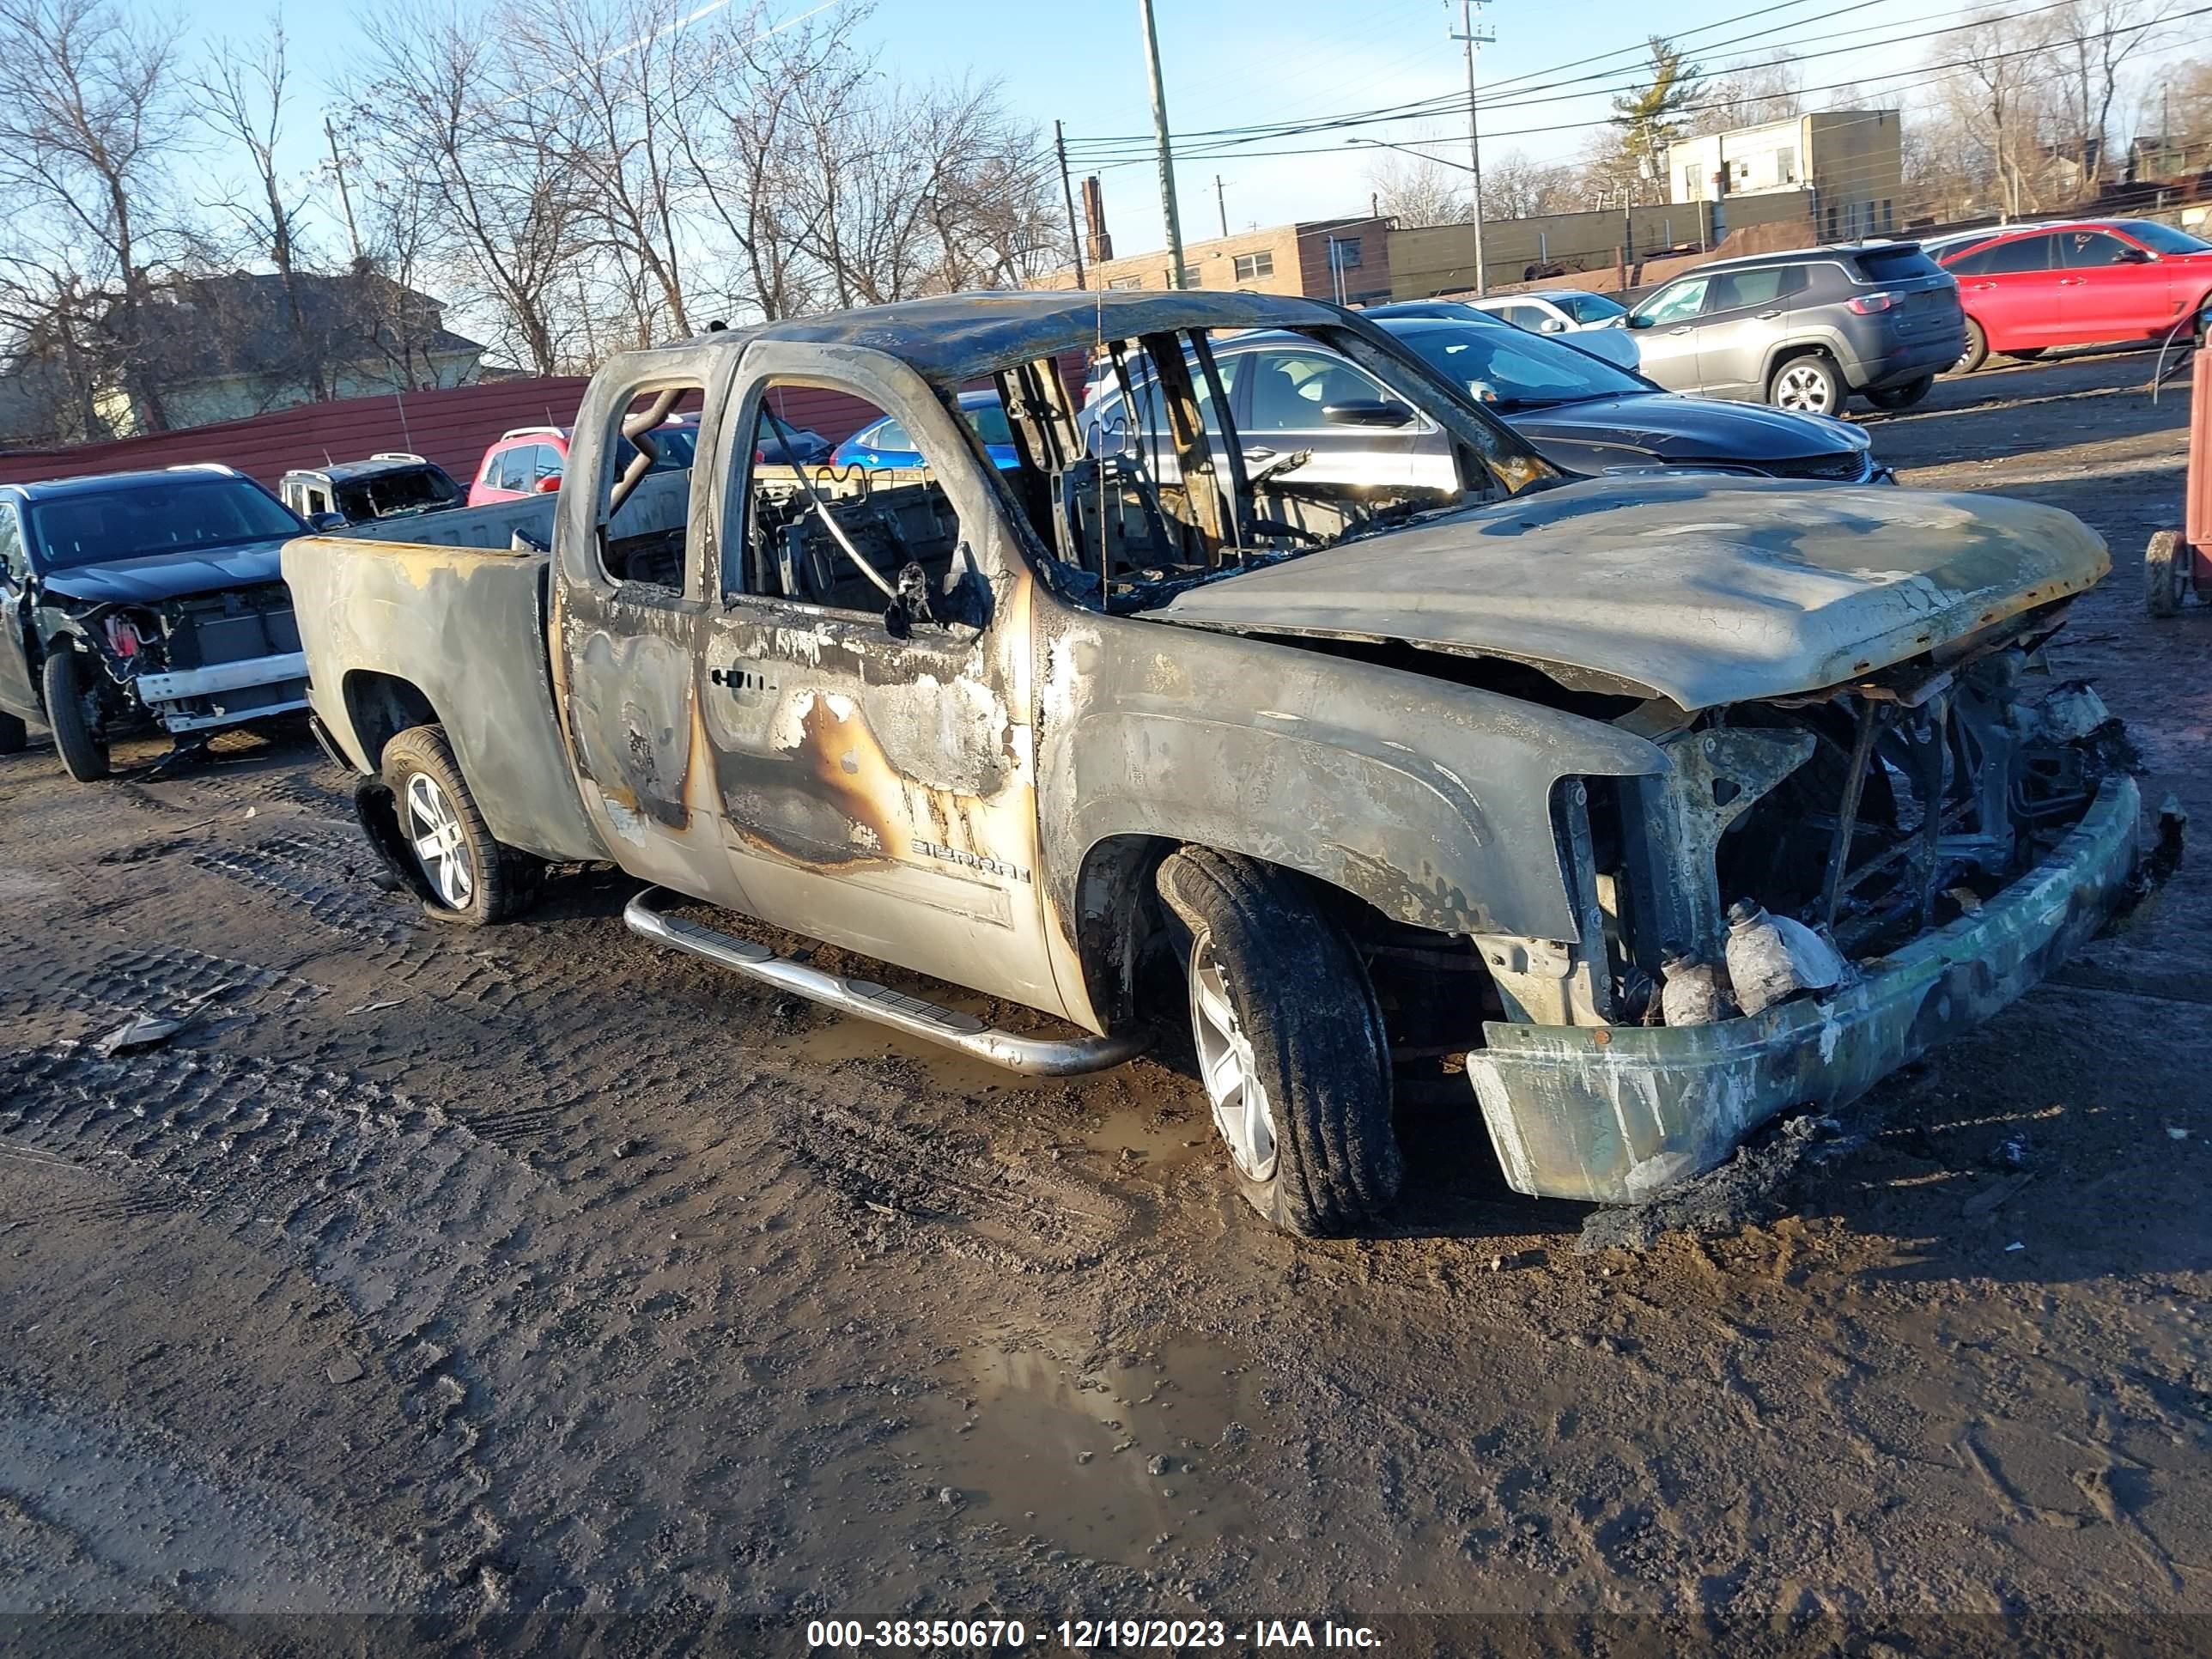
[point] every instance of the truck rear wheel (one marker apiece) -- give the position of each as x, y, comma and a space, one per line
1291, 1049
73, 715
469, 876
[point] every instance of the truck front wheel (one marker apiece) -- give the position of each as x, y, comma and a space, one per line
468, 876
1290, 1040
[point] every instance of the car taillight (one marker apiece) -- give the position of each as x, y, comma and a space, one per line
1867, 304
123, 637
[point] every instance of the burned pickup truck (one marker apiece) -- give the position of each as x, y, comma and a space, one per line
1654, 805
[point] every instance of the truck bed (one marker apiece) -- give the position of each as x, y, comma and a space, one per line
451, 620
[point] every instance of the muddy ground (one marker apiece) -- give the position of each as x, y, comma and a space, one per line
533, 1289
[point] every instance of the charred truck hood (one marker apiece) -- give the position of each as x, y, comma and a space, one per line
1705, 591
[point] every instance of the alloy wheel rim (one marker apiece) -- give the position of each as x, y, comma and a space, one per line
1804, 391
1227, 1069
434, 830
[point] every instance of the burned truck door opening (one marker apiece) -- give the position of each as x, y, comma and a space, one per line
864, 691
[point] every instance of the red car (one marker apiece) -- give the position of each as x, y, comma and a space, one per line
2087, 283
530, 459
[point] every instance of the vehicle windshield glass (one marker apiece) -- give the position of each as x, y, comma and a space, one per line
1509, 369
391, 494
1590, 308
1895, 264
672, 449
989, 421
2163, 238
185, 515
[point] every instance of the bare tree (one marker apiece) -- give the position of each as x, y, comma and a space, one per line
1999, 98
743, 145
1515, 187
240, 95
615, 82
1750, 94
1416, 191
90, 126
438, 101
2097, 39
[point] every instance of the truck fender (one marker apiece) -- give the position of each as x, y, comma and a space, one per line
1430, 802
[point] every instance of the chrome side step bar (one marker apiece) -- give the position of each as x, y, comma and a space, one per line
1038, 1056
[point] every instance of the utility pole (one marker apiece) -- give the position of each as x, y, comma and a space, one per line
1473, 38
345, 200
1221, 202
1067, 190
1167, 154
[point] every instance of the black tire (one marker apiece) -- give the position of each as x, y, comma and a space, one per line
72, 715
1976, 352
1807, 384
480, 881
1900, 396
2165, 573
2028, 354
1309, 1023
13, 735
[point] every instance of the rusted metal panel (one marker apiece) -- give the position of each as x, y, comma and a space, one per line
1622, 1113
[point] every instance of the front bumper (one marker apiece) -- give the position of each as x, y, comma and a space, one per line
227, 694
1619, 1115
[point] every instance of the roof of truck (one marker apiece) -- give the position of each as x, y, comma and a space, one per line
957, 336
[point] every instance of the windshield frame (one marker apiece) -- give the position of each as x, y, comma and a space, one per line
39, 549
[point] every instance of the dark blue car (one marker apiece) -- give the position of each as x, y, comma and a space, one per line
885, 443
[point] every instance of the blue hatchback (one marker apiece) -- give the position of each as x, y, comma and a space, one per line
885, 443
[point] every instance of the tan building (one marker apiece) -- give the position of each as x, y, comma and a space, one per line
1849, 160
1323, 258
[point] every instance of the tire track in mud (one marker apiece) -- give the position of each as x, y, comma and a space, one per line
161, 980
1027, 1219
311, 872
392, 1204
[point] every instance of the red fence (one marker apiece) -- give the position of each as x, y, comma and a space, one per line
452, 428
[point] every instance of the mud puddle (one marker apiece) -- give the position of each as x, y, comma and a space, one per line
1113, 1463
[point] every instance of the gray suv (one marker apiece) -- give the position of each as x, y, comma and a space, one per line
1805, 330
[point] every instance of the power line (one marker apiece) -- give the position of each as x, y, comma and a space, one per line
1236, 147
1227, 141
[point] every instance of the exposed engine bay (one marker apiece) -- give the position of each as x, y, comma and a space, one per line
1842, 824
182, 661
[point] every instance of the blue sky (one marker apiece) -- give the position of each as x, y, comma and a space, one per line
1233, 62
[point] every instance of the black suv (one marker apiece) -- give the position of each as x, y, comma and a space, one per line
136, 599
1806, 330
